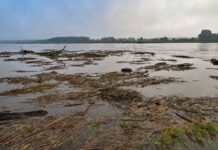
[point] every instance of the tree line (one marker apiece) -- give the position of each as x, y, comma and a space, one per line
204, 36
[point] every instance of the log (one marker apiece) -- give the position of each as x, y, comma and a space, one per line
20, 115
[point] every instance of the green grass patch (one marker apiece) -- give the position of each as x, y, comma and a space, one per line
95, 126
198, 133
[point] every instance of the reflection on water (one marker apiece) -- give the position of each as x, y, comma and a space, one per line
204, 47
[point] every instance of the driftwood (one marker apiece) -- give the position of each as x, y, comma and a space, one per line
11, 116
183, 117
53, 55
142, 52
58, 52
182, 56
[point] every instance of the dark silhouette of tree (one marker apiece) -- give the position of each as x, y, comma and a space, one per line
67, 40
164, 39
140, 40
207, 36
108, 40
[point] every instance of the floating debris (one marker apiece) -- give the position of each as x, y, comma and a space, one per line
9, 59
142, 53
25, 58
29, 89
25, 52
126, 70
214, 77
182, 56
21, 115
56, 68
120, 95
37, 63
212, 68
173, 60
165, 66
24, 71
214, 61
137, 62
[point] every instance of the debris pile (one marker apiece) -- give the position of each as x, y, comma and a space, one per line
173, 67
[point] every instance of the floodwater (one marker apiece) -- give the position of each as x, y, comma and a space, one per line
197, 82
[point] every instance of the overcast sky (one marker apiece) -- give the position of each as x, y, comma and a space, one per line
38, 19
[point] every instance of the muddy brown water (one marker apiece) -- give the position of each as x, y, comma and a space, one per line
197, 81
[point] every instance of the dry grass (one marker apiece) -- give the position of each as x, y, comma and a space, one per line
29, 89
18, 80
62, 97
111, 77
124, 96
23, 59
47, 133
165, 66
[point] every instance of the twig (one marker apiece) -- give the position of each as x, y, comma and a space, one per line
183, 117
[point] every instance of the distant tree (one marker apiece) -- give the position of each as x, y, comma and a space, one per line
140, 40
131, 40
207, 35
108, 40
68, 40
164, 39
204, 36
122, 40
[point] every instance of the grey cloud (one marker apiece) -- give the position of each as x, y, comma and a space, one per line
119, 18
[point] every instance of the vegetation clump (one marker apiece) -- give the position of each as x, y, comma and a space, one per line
29, 89
23, 59
165, 66
121, 95
177, 136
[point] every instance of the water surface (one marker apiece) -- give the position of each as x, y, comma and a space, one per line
197, 82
